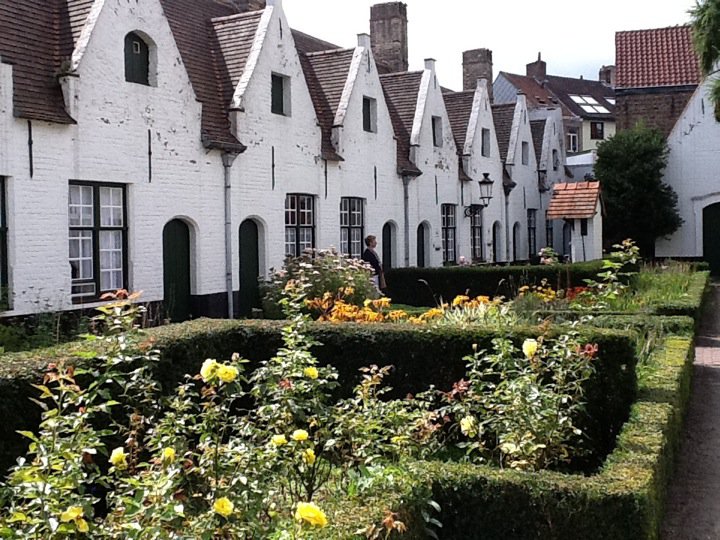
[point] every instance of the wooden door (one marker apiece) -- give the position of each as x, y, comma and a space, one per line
176, 270
249, 268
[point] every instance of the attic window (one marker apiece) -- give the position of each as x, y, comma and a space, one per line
369, 114
485, 143
280, 94
437, 131
590, 105
555, 160
525, 153
137, 60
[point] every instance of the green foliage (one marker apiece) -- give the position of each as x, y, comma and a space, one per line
638, 203
320, 271
428, 286
706, 37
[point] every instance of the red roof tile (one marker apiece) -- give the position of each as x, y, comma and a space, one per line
656, 57
503, 115
576, 200
401, 94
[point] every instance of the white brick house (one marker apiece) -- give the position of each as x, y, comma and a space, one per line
186, 159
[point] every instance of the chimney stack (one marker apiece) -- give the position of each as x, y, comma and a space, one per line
537, 69
389, 35
607, 76
478, 64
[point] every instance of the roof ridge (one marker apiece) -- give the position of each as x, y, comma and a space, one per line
686, 25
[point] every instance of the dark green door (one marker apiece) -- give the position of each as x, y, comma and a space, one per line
387, 238
711, 237
176, 270
249, 268
421, 246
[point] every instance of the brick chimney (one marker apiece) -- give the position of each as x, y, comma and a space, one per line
478, 64
607, 76
389, 35
537, 69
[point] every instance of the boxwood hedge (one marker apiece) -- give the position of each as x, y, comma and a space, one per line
422, 356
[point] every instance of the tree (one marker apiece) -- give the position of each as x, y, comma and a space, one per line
638, 204
706, 35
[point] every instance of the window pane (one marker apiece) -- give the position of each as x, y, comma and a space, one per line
80, 254
80, 209
306, 238
278, 97
111, 271
356, 243
290, 242
111, 207
344, 242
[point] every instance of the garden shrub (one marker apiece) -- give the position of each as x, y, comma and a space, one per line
420, 355
426, 286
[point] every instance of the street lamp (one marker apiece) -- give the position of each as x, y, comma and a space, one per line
486, 185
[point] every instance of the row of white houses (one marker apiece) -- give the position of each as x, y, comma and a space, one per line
185, 160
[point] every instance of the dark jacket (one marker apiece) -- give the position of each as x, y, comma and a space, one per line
369, 257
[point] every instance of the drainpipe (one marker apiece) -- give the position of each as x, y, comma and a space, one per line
507, 227
406, 217
228, 158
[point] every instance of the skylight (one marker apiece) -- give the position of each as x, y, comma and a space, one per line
589, 104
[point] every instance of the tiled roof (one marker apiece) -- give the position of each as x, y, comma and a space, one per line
326, 73
657, 57
537, 95
235, 35
36, 38
401, 94
503, 115
305, 43
459, 108
576, 200
537, 128
200, 50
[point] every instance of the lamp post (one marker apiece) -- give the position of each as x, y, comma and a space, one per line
474, 210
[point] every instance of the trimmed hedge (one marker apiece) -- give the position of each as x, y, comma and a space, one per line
421, 355
624, 501
405, 285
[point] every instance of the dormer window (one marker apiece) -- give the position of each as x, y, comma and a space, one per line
437, 131
137, 60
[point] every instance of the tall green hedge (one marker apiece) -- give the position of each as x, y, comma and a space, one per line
422, 356
425, 286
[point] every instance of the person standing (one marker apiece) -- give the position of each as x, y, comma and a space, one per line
370, 256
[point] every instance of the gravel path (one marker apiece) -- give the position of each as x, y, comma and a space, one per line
693, 506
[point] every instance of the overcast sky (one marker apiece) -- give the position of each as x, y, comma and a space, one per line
575, 37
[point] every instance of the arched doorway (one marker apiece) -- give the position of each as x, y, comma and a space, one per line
515, 241
711, 237
423, 238
176, 270
388, 245
249, 297
496, 231
567, 237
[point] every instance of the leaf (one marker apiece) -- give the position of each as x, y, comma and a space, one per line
29, 434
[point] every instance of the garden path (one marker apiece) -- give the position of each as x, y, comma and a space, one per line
693, 505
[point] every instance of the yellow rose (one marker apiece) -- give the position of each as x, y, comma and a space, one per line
468, 426
223, 506
311, 372
119, 458
299, 435
208, 369
308, 456
530, 347
168, 455
227, 374
82, 525
311, 514
71, 514
278, 440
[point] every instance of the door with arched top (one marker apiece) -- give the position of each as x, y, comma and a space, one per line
176, 270
249, 268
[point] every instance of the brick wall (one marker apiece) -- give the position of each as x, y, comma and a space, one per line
657, 109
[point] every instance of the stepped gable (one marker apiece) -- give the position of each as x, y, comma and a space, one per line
401, 94
326, 73
576, 200
656, 57
503, 115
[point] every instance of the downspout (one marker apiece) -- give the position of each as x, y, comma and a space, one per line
406, 218
228, 158
507, 226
